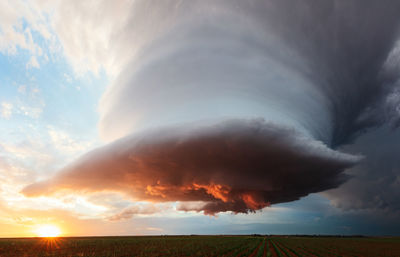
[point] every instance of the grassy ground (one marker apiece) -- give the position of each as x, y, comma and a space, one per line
201, 246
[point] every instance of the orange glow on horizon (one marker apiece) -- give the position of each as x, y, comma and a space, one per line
47, 231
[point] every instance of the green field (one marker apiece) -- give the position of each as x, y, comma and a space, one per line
257, 246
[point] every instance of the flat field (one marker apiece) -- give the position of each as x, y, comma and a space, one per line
257, 246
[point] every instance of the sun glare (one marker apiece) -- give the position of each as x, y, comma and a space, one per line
48, 231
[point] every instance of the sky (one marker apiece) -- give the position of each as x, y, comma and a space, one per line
142, 117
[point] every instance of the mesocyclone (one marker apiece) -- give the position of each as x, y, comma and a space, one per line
240, 104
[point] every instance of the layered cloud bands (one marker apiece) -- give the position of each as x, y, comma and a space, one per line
237, 165
239, 104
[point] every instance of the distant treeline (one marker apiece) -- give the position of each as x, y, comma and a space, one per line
301, 235
272, 235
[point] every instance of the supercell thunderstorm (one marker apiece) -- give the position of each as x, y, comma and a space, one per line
237, 105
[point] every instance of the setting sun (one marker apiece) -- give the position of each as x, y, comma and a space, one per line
48, 231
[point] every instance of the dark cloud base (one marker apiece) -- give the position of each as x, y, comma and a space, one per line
235, 165
375, 183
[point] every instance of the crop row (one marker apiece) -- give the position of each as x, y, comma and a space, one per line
192, 246
336, 247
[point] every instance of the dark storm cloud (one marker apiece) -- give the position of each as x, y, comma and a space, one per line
235, 166
316, 73
375, 183
322, 63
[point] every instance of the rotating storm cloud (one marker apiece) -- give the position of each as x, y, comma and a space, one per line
237, 105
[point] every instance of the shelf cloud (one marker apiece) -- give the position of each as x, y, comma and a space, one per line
237, 165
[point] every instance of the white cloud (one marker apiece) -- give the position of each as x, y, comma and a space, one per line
65, 143
13, 34
6, 110
32, 63
91, 33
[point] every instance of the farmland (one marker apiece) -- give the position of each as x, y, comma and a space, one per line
235, 246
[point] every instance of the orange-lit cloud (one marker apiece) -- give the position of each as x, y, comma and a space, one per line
236, 165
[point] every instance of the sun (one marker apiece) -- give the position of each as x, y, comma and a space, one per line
48, 231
